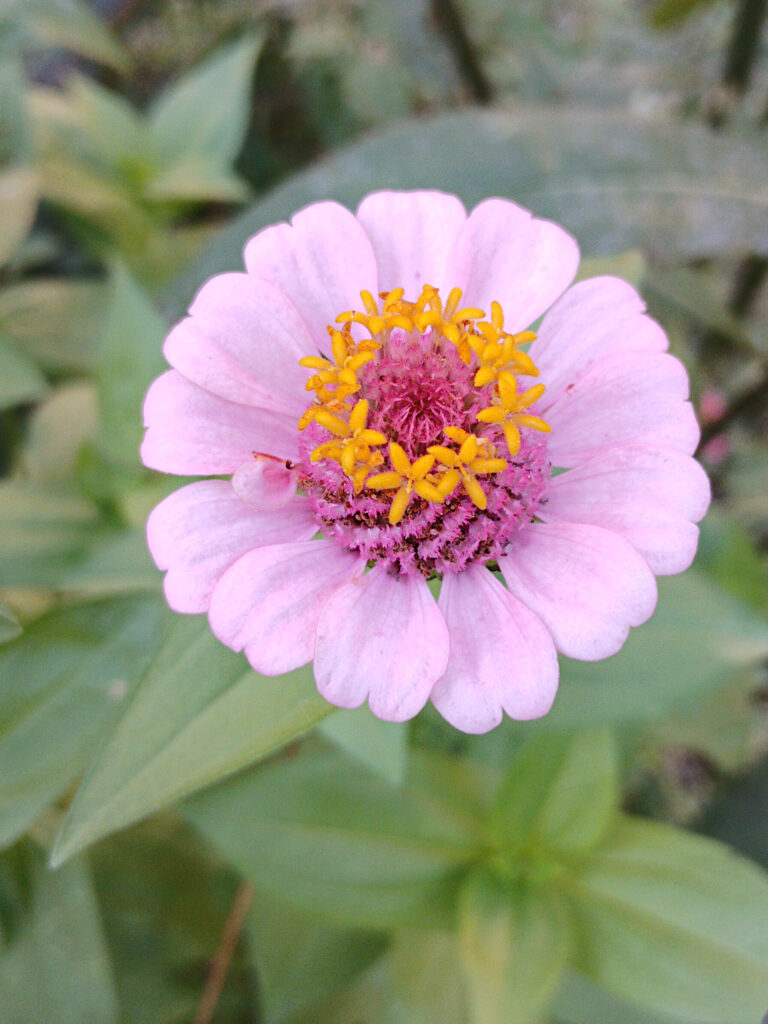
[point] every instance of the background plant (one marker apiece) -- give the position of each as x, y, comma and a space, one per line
571, 871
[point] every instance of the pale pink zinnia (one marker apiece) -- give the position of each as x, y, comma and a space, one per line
372, 390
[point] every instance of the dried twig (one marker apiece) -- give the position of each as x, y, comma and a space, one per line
230, 936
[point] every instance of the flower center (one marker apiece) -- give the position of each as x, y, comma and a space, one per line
417, 448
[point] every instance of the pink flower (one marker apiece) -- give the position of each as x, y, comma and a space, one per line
372, 389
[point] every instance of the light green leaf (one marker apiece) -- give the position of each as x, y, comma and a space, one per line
199, 713
130, 358
205, 114
674, 187
20, 379
57, 968
18, 203
42, 533
301, 959
117, 562
57, 431
55, 321
698, 637
16, 144
380, 746
64, 680
630, 266
514, 945
197, 179
675, 922
560, 794
324, 834
729, 555
114, 131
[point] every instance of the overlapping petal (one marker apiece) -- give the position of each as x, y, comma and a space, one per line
412, 234
638, 396
383, 639
243, 341
503, 254
650, 496
269, 602
192, 432
197, 532
587, 584
501, 658
322, 260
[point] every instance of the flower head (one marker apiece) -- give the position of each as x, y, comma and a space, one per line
388, 419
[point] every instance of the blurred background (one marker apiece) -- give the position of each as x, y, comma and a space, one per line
141, 143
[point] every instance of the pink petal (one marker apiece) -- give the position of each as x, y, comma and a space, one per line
503, 253
639, 396
596, 318
384, 639
194, 433
200, 530
322, 262
269, 602
265, 483
243, 341
588, 585
651, 496
501, 655
412, 234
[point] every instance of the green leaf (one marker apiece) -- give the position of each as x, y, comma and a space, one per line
64, 680
43, 532
197, 179
20, 379
9, 624
16, 143
70, 25
199, 713
301, 959
728, 553
698, 637
580, 1001
324, 834
673, 187
57, 431
130, 358
57, 968
380, 746
514, 945
205, 114
165, 902
114, 133
675, 922
55, 321
18, 202
560, 794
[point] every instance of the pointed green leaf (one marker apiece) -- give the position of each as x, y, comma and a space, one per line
9, 624
199, 713
197, 179
205, 114
514, 946
57, 967
675, 922
71, 25
64, 681
560, 794
18, 203
319, 831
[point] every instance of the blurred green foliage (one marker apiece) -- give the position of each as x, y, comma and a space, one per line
393, 874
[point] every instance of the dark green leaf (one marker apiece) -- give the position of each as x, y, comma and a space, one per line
324, 834
675, 922
199, 713
677, 188
302, 959
64, 680
20, 379
57, 967
381, 746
